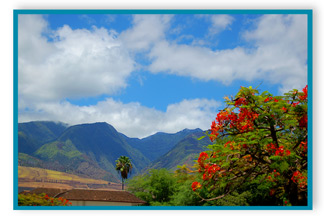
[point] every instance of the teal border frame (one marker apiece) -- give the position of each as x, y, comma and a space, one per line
307, 12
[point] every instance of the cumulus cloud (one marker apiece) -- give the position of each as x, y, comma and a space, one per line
146, 30
68, 63
72, 63
132, 119
220, 22
278, 56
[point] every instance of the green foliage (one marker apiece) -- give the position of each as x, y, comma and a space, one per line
234, 199
184, 195
161, 187
41, 200
155, 188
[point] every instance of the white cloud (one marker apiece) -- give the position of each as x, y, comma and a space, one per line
146, 30
84, 63
219, 22
279, 55
77, 63
132, 119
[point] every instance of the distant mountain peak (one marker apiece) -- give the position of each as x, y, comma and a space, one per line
191, 130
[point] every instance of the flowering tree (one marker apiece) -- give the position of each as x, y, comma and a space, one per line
259, 145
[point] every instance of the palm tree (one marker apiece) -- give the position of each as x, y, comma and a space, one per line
124, 167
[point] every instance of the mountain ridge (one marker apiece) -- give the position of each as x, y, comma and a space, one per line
91, 149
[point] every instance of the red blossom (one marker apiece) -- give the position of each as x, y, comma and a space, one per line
267, 99
272, 192
280, 151
304, 95
213, 168
230, 144
243, 121
295, 104
299, 179
303, 121
288, 152
195, 186
202, 157
303, 146
241, 101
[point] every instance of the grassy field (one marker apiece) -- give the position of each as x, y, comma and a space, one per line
38, 177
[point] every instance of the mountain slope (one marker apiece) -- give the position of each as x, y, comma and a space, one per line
91, 150
101, 143
64, 156
158, 144
184, 152
32, 135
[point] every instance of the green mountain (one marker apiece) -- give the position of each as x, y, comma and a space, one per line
85, 149
158, 144
184, 152
32, 135
90, 150
103, 144
64, 156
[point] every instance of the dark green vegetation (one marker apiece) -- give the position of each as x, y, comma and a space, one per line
90, 150
161, 187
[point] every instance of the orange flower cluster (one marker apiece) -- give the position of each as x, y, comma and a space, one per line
299, 179
241, 101
230, 144
195, 186
243, 121
284, 109
61, 200
202, 157
304, 95
248, 157
272, 149
270, 99
303, 146
208, 169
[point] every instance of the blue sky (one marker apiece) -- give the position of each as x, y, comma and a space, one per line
150, 73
